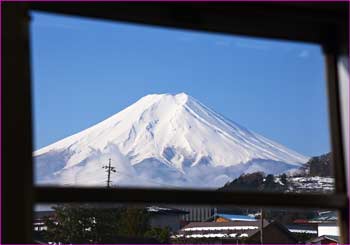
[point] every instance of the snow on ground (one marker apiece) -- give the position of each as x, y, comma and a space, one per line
311, 184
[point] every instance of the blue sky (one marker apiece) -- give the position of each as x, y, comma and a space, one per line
86, 70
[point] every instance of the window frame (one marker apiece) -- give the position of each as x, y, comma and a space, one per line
326, 25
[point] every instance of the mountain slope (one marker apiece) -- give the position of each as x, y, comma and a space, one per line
162, 139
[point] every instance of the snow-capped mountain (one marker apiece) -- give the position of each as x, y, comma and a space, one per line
162, 140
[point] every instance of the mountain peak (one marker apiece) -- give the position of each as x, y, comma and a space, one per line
165, 99
181, 95
165, 132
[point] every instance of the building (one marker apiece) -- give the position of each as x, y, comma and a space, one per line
324, 240
39, 218
163, 217
303, 232
326, 223
310, 229
224, 217
196, 214
233, 232
316, 230
328, 229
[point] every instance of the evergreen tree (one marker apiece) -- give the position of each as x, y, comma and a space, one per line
269, 184
284, 179
76, 223
162, 235
73, 223
134, 222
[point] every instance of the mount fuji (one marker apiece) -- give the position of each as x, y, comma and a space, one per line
162, 140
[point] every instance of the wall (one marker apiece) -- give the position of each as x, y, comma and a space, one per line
273, 234
162, 221
328, 229
197, 213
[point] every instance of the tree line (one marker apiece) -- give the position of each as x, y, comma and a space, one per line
87, 223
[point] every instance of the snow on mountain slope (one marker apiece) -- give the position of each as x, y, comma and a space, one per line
162, 139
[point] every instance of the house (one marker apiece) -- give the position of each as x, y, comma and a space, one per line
326, 223
318, 229
162, 217
196, 214
303, 232
224, 217
39, 217
310, 229
233, 232
328, 229
324, 240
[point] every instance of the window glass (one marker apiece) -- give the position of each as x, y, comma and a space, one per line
125, 105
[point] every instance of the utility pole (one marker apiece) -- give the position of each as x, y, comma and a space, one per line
261, 225
109, 169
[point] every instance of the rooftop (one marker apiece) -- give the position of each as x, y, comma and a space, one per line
233, 217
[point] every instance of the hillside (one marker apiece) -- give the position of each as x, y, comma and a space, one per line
315, 176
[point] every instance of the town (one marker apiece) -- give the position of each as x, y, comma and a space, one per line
179, 224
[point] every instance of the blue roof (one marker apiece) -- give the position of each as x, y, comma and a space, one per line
235, 217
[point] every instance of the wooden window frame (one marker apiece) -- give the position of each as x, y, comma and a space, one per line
325, 24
